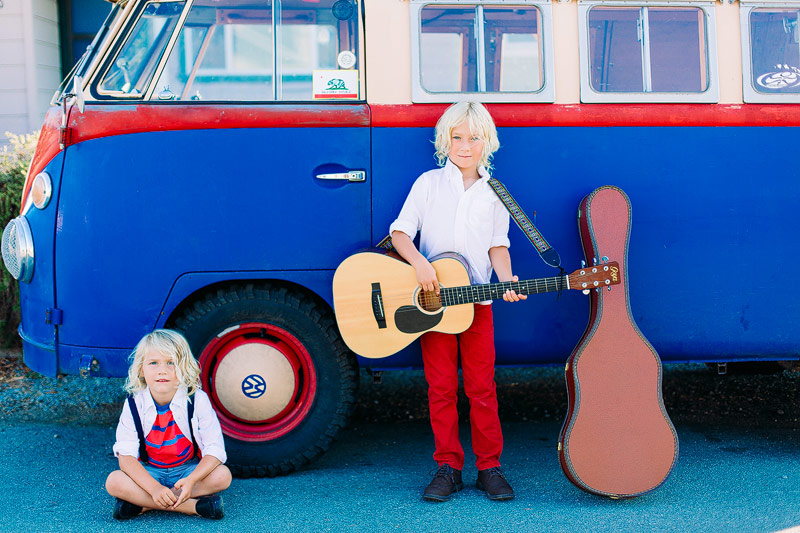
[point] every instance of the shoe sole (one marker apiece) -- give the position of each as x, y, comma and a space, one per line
437, 498
494, 497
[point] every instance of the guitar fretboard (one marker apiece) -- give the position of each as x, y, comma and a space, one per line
494, 291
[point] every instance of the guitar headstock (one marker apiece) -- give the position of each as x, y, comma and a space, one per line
596, 276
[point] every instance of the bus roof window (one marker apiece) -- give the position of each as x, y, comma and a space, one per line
482, 48
774, 55
646, 53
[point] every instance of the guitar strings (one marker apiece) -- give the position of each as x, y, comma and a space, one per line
429, 301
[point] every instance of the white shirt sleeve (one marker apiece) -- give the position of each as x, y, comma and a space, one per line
501, 222
127, 439
207, 431
409, 221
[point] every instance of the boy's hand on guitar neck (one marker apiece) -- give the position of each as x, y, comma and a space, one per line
512, 296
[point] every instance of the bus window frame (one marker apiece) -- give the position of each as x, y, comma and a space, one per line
124, 35
545, 94
122, 38
749, 93
590, 96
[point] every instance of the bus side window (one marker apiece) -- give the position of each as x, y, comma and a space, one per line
229, 50
228, 53
647, 53
496, 51
771, 54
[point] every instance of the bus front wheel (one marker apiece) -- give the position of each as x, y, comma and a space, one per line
280, 378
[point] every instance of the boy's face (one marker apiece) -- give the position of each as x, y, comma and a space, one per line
159, 374
466, 148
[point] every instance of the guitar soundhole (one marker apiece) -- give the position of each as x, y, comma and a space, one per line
429, 301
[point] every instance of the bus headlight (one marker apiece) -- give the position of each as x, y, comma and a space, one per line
41, 190
18, 249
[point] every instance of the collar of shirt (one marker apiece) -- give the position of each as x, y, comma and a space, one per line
179, 399
454, 175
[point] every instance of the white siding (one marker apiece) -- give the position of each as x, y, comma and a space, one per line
30, 63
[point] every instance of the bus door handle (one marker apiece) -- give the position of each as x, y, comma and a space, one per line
351, 175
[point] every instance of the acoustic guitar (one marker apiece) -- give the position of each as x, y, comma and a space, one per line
381, 309
617, 439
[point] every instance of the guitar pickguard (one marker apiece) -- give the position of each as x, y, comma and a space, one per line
409, 319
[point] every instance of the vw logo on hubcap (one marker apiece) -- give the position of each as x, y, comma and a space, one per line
254, 386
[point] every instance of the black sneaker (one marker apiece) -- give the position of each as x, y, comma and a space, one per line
493, 482
446, 481
210, 507
124, 510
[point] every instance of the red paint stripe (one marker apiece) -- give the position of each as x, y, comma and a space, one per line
106, 120
335, 96
600, 115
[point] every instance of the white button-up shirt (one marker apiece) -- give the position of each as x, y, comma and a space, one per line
207, 431
451, 219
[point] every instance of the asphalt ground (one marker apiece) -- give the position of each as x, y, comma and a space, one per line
738, 470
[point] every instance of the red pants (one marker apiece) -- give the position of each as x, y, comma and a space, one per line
440, 357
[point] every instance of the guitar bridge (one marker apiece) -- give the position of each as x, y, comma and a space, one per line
377, 306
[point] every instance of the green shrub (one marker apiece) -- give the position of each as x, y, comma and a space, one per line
14, 162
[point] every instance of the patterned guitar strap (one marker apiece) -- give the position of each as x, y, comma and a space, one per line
548, 254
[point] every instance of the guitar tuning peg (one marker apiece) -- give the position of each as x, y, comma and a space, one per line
583, 263
609, 289
594, 261
605, 259
585, 291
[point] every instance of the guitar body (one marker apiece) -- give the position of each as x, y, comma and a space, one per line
375, 297
617, 439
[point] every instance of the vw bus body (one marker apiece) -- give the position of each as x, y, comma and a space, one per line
209, 163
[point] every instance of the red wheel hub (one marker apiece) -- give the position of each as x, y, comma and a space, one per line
261, 380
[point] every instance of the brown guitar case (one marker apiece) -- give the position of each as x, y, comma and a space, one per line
617, 439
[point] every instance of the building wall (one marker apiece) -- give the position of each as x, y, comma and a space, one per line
30, 65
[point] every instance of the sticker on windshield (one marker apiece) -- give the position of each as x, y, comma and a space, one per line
346, 59
335, 84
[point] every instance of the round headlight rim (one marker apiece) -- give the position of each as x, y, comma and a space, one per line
46, 182
24, 249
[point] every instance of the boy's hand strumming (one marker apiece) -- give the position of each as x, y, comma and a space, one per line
426, 276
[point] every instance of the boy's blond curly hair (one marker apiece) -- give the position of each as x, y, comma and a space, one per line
480, 123
169, 343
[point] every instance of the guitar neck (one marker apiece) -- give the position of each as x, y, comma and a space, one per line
494, 291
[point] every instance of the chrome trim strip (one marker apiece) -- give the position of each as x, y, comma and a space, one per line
277, 80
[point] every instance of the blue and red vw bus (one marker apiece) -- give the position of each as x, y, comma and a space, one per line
209, 163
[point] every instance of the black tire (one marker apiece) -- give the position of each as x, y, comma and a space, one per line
274, 327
